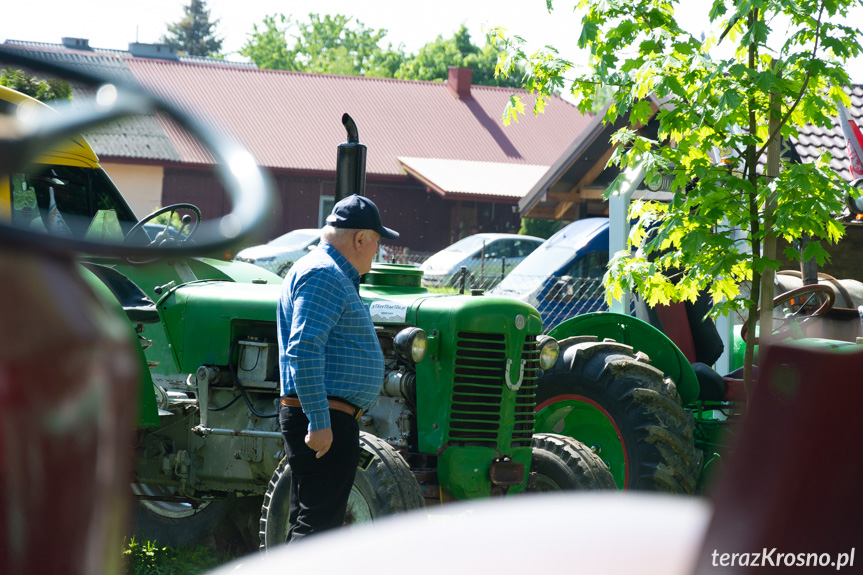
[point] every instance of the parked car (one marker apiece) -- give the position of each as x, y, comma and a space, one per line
279, 255
563, 277
488, 257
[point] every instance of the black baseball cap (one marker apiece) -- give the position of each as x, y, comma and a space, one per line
359, 213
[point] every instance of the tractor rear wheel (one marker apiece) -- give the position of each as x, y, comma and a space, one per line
221, 524
384, 484
561, 463
625, 410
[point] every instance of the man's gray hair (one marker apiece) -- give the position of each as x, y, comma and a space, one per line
337, 236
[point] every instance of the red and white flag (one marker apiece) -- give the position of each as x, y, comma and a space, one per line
853, 141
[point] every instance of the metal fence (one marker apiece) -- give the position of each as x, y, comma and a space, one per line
557, 298
472, 276
401, 255
574, 296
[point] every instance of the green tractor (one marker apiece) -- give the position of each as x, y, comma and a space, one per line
455, 419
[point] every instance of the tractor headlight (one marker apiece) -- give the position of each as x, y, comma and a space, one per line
548, 352
411, 344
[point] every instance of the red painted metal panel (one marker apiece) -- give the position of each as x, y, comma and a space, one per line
68, 399
793, 480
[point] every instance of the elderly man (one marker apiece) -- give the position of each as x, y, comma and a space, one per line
331, 364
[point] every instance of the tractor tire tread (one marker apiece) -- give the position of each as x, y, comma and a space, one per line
589, 471
642, 401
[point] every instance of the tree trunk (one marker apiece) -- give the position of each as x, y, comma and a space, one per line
769, 275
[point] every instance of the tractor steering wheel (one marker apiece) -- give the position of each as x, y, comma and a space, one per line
164, 238
798, 307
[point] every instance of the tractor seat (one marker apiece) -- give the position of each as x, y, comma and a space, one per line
696, 336
139, 308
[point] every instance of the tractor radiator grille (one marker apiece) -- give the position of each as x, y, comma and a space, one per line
525, 400
478, 401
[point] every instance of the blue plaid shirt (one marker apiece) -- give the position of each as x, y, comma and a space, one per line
327, 341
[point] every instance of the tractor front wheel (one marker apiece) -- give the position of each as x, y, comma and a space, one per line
561, 463
625, 410
383, 485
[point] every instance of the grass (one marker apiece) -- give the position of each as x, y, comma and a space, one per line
148, 558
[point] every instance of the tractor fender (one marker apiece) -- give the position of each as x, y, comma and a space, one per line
642, 337
148, 411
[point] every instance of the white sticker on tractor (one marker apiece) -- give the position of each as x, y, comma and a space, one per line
388, 312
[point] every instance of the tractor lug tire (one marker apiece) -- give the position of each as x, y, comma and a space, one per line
561, 463
384, 485
641, 405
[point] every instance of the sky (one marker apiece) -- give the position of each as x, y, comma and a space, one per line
116, 23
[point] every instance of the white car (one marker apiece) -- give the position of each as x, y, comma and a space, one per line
279, 255
488, 256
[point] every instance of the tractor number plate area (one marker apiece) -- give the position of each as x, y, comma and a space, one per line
506, 472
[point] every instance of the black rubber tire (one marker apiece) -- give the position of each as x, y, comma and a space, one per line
642, 403
383, 481
561, 463
220, 524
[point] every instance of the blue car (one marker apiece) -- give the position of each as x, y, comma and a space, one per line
562, 278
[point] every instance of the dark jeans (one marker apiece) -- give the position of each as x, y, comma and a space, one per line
319, 487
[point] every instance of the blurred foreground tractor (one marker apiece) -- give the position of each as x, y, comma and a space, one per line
71, 365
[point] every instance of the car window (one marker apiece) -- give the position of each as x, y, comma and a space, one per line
592, 265
495, 249
523, 248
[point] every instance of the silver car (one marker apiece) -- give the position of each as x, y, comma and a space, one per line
279, 255
487, 257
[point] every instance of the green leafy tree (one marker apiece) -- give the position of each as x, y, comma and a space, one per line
433, 59
42, 90
539, 228
324, 45
267, 45
787, 70
340, 45
195, 34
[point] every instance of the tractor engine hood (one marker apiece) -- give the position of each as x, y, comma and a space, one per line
201, 318
392, 293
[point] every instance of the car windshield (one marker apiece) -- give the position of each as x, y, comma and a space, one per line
552, 257
468, 245
294, 240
